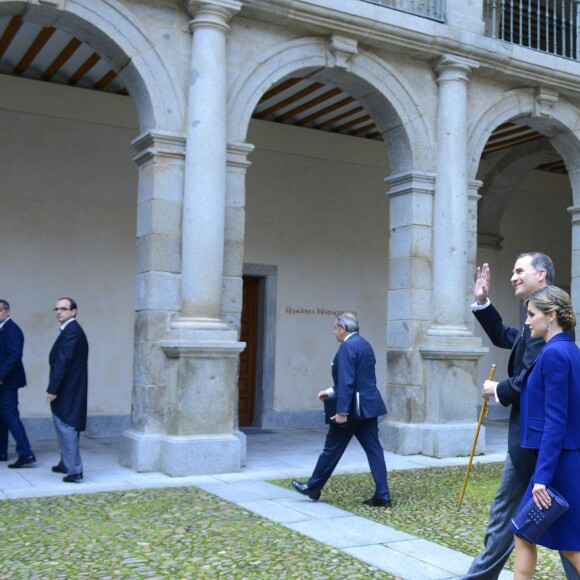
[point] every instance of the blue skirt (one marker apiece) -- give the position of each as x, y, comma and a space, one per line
564, 533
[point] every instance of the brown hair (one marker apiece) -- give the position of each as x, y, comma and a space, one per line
554, 299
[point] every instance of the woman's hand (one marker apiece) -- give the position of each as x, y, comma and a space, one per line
541, 496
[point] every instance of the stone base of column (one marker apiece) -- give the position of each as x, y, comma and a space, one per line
439, 441
180, 455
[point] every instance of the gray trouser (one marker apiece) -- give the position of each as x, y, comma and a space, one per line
499, 539
68, 442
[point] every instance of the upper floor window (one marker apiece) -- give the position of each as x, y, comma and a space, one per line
546, 25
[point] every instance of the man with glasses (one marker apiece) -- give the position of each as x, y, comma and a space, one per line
67, 389
12, 378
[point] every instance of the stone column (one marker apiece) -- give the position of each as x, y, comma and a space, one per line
409, 307
205, 167
450, 233
442, 408
160, 159
574, 177
197, 422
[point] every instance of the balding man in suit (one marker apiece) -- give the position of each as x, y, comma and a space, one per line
353, 372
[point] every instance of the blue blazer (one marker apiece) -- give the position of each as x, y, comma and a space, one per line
550, 405
11, 346
353, 369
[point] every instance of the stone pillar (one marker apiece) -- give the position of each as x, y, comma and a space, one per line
205, 167
409, 307
473, 198
437, 417
196, 416
450, 220
574, 176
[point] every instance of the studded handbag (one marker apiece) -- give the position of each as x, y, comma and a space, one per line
530, 522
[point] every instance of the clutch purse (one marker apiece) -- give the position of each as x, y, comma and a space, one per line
330, 408
530, 522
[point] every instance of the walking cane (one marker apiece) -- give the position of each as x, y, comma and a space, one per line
481, 416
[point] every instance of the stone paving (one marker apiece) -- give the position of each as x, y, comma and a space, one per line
273, 455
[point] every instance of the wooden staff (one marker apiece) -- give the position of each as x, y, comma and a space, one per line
481, 416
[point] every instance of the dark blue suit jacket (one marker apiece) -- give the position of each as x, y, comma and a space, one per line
11, 346
550, 405
69, 376
353, 369
524, 349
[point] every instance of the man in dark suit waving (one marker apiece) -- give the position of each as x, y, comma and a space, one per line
67, 389
12, 378
353, 371
532, 270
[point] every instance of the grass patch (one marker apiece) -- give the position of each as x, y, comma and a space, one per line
177, 533
425, 505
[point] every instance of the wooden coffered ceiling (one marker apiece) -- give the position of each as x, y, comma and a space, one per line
45, 53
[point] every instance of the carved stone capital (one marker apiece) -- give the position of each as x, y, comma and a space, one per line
454, 68
341, 49
544, 100
212, 13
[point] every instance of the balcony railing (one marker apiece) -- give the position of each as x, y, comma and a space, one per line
433, 9
545, 25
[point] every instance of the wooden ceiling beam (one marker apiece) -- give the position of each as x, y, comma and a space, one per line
308, 105
352, 123
325, 111
279, 88
61, 59
290, 100
37, 45
105, 80
9, 34
338, 118
84, 68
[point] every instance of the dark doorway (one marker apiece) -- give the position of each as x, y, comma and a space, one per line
249, 335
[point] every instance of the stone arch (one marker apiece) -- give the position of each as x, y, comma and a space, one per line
543, 110
365, 76
114, 32
502, 179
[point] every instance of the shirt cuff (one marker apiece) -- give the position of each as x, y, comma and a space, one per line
477, 306
495, 394
330, 392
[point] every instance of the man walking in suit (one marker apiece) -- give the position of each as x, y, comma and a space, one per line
353, 371
532, 270
12, 378
67, 389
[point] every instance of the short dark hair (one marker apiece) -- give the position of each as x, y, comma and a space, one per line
72, 303
541, 261
5, 303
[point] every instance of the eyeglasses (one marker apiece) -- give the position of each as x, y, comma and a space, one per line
61, 309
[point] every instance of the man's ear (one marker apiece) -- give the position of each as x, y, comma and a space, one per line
541, 274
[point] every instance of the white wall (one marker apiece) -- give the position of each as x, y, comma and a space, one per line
67, 224
317, 209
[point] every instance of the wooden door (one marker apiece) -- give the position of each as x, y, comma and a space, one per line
249, 335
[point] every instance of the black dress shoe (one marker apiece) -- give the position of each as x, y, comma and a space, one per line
73, 478
58, 468
378, 502
303, 488
23, 462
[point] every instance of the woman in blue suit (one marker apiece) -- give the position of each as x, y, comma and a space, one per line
550, 407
